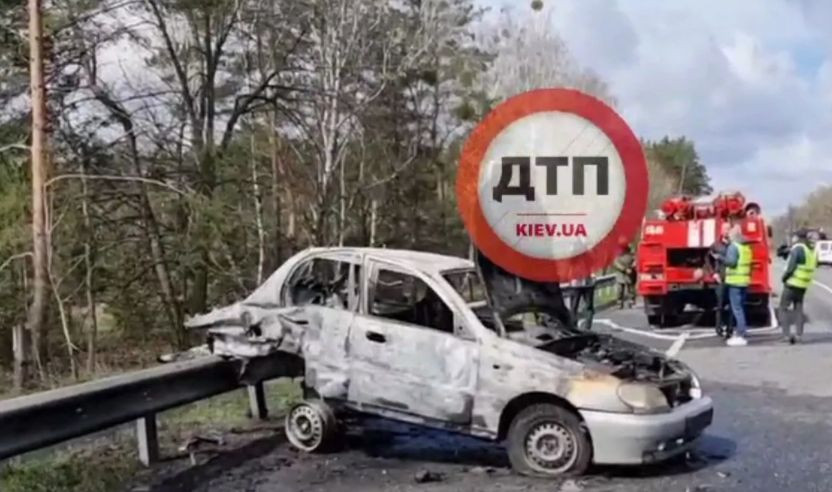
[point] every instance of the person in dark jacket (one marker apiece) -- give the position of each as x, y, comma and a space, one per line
800, 269
715, 263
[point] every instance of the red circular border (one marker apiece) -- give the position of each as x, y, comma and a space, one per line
635, 173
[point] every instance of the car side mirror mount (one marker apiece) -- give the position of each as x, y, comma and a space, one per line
461, 330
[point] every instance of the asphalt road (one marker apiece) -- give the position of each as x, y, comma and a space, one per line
771, 432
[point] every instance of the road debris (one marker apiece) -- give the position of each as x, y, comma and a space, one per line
722, 474
426, 476
699, 488
570, 486
194, 442
192, 353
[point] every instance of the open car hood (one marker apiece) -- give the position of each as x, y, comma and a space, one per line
509, 295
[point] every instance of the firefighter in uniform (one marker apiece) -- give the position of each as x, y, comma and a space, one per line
737, 279
625, 276
800, 269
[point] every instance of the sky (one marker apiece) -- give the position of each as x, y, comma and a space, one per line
749, 81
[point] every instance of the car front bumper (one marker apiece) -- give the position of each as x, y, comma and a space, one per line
624, 439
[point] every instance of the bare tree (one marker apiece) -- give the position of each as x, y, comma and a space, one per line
530, 54
199, 44
356, 47
661, 184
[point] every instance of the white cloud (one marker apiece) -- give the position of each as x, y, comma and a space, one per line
750, 82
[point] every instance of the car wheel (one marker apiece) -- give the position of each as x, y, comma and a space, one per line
546, 440
311, 425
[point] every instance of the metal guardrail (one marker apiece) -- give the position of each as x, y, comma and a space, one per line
35, 421
606, 292
605, 288
39, 420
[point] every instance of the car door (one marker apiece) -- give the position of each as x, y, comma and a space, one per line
407, 350
328, 287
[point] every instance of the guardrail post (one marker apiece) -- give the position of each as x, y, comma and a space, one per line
148, 439
257, 401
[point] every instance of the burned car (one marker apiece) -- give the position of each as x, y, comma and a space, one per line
460, 345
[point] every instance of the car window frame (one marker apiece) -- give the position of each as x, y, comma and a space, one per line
355, 294
453, 271
372, 266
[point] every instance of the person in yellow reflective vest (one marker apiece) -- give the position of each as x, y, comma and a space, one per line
800, 269
737, 279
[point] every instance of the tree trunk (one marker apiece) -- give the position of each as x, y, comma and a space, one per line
207, 155
278, 208
89, 240
151, 228
373, 219
258, 211
280, 175
70, 347
342, 204
20, 347
37, 310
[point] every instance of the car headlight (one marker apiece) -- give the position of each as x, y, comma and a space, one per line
643, 397
695, 387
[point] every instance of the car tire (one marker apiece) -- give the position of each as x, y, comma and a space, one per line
546, 440
311, 426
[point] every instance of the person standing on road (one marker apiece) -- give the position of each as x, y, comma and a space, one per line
800, 270
737, 279
716, 267
624, 267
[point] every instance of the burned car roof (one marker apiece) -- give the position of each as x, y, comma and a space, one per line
267, 295
420, 260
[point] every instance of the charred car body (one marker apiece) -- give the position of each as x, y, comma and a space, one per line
442, 341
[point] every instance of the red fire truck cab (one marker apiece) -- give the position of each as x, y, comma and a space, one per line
671, 257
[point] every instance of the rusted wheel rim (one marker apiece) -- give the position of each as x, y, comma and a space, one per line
550, 448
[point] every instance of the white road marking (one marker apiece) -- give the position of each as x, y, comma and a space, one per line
677, 346
660, 336
822, 286
692, 334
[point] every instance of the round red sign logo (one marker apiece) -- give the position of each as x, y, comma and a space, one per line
551, 184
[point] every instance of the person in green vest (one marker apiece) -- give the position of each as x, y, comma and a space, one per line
737, 279
800, 269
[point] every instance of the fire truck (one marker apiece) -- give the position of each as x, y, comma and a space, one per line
672, 251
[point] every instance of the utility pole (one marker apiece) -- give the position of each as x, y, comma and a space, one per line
37, 309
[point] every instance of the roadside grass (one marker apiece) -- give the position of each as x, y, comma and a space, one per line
109, 463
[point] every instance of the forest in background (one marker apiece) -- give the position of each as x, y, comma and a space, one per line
195, 145
815, 211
